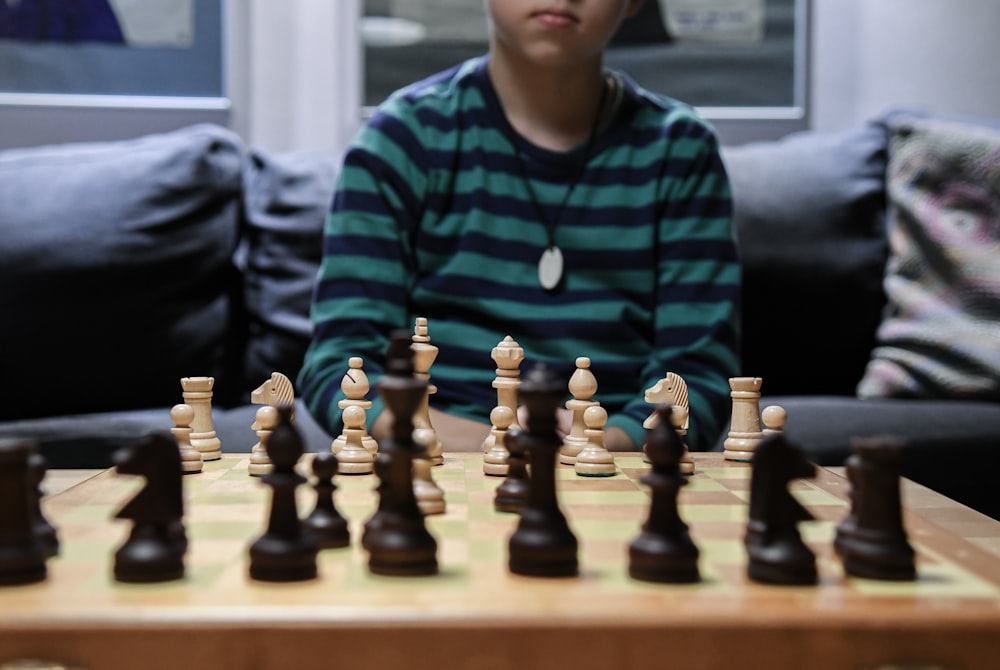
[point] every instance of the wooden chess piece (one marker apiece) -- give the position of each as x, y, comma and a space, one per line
45, 531
871, 541
582, 386
508, 356
774, 418
22, 553
155, 548
512, 493
197, 392
744, 429
355, 386
543, 544
672, 391
594, 460
424, 354
285, 552
776, 552
495, 458
664, 551
353, 457
325, 522
265, 421
430, 496
181, 415
277, 391
396, 537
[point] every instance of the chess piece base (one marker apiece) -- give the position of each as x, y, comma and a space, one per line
888, 560
865, 570
570, 449
430, 507
145, 561
356, 468
511, 495
545, 566
767, 573
542, 547
29, 572
410, 556
260, 469
192, 466
739, 456
275, 559
330, 530
594, 469
655, 559
495, 469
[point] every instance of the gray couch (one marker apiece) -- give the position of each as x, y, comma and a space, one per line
129, 265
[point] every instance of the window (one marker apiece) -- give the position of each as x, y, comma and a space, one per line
742, 63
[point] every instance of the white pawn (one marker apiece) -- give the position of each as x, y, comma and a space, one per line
182, 415
353, 457
265, 421
495, 459
355, 386
774, 418
582, 386
594, 460
430, 496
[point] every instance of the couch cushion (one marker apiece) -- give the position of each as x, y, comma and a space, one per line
941, 334
809, 216
90, 440
287, 198
116, 263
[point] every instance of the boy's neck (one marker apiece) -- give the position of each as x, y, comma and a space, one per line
554, 109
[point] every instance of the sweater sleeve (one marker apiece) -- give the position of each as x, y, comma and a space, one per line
366, 270
698, 282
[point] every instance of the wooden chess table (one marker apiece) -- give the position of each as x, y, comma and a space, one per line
474, 613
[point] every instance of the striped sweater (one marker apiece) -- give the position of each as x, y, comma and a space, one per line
433, 217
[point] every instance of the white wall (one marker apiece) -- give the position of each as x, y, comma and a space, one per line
304, 92
871, 55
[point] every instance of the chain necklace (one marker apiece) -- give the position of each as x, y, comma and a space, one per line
551, 265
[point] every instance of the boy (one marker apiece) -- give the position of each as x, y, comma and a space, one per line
532, 193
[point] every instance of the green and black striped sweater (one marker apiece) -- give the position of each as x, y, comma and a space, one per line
433, 217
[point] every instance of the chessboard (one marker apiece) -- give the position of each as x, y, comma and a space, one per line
474, 613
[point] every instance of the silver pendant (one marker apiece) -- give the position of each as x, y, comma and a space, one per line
550, 268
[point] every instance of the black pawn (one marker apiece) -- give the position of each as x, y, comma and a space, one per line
777, 554
46, 532
285, 552
543, 544
325, 522
664, 551
871, 541
155, 548
513, 490
22, 555
396, 537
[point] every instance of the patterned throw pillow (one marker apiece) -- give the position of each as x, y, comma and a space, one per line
940, 336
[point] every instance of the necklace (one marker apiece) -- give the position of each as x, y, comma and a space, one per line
551, 264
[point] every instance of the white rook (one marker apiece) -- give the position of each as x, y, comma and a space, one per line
744, 429
198, 394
